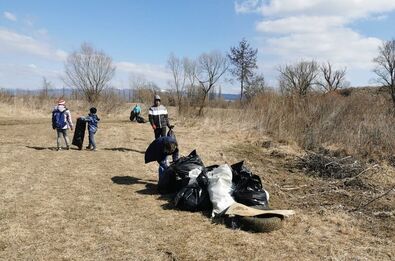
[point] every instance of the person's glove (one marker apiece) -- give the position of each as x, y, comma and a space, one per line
171, 126
154, 126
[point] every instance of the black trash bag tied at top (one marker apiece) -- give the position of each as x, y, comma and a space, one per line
184, 165
194, 196
176, 176
247, 187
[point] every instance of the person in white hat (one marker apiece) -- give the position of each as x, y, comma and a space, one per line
61, 121
158, 118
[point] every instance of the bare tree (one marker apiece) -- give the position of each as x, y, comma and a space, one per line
255, 86
331, 80
243, 58
298, 78
385, 68
192, 90
210, 68
143, 90
177, 68
89, 71
46, 87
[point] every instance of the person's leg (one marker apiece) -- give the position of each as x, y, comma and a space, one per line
157, 132
59, 133
92, 140
163, 132
66, 139
167, 179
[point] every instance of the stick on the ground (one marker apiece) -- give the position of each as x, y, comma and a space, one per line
293, 188
365, 170
374, 199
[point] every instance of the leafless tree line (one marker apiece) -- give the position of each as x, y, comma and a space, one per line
193, 80
305, 76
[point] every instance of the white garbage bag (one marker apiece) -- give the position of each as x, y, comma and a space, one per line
219, 188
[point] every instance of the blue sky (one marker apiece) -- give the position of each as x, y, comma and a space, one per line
36, 36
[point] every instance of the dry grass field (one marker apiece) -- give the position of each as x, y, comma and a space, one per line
103, 205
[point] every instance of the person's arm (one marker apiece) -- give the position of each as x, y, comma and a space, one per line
53, 120
69, 120
151, 118
175, 155
86, 118
166, 116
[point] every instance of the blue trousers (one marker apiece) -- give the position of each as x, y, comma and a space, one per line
92, 142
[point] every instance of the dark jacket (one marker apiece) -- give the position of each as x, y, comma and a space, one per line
156, 150
92, 120
158, 116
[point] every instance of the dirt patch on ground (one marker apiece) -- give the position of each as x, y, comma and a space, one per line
103, 205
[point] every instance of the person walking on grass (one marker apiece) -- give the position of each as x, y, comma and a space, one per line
92, 120
61, 121
158, 118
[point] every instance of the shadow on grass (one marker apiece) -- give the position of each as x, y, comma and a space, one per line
125, 150
46, 148
128, 180
152, 189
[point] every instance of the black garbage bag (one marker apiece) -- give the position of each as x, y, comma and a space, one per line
184, 165
132, 115
194, 197
176, 176
170, 133
247, 187
140, 119
170, 183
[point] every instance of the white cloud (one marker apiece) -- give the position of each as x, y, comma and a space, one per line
18, 43
298, 24
10, 16
29, 76
341, 46
317, 29
345, 8
247, 6
151, 72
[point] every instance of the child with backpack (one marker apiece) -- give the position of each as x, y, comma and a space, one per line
61, 121
92, 120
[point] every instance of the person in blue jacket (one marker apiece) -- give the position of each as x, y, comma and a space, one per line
135, 113
160, 149
92, 120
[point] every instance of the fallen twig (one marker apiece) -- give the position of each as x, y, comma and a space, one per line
374, 199
292, 188
365, 170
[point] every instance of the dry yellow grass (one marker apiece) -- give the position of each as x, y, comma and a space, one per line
65, 206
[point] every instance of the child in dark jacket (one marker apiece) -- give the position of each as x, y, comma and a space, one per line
92, 120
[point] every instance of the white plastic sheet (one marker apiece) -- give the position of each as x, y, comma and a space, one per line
219, 188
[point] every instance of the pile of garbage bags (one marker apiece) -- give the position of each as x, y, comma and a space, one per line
215, 188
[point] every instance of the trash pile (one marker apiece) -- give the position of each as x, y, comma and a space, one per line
330, 167
234, 195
